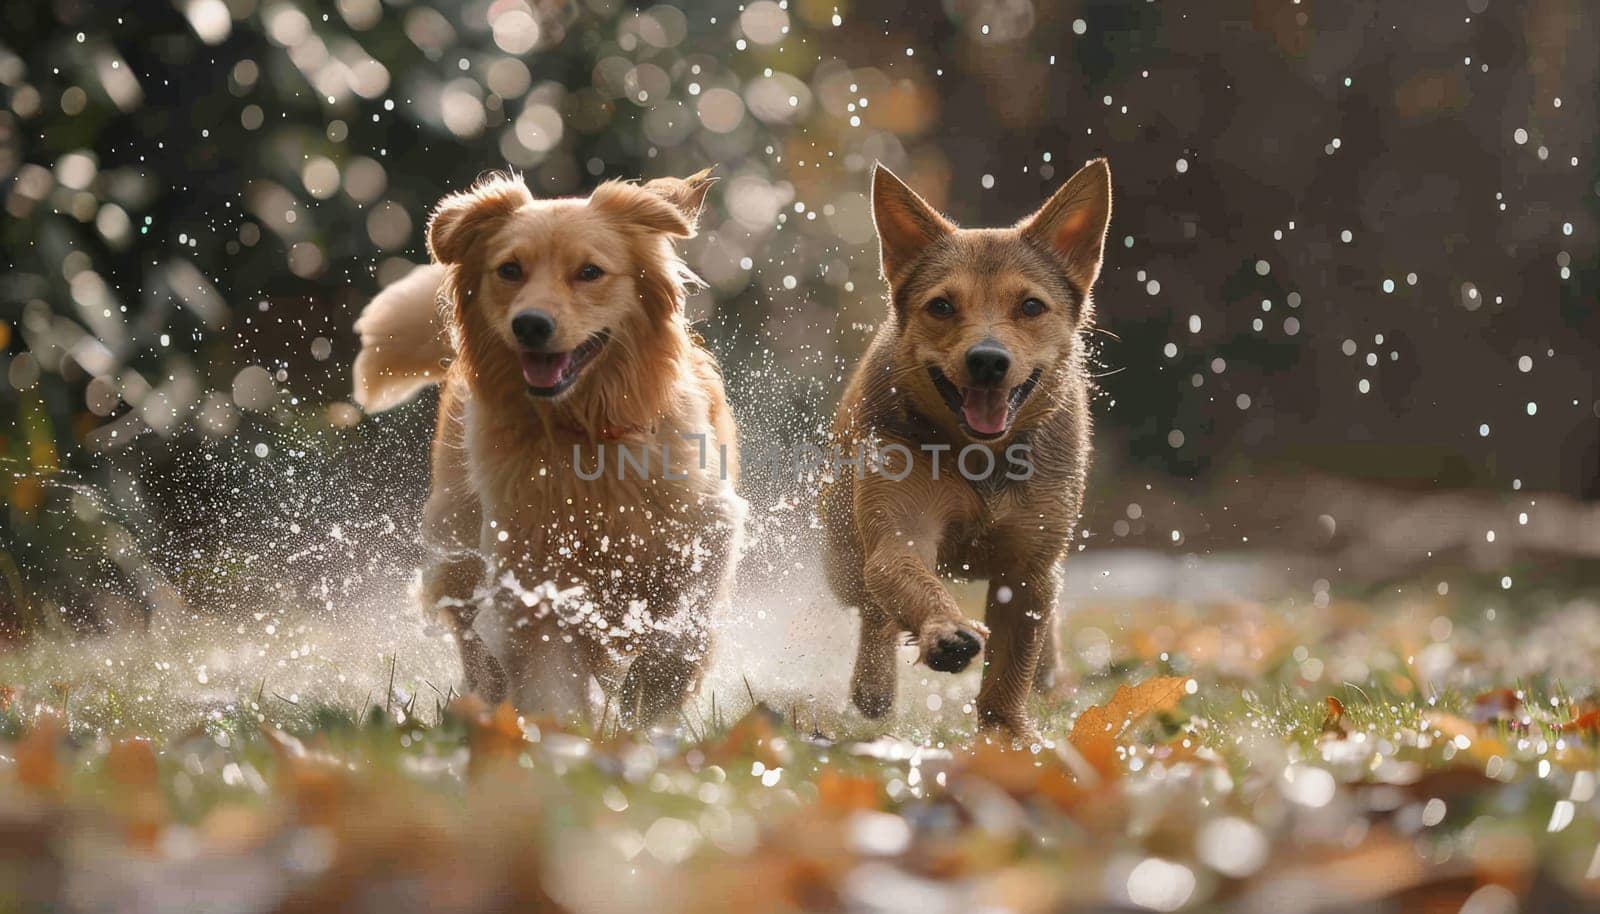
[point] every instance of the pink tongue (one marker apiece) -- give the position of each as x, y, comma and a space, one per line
541, 370
984, 410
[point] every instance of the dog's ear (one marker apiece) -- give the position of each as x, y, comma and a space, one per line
461, 219
666, 205
687, 195
906, 223
1072, 223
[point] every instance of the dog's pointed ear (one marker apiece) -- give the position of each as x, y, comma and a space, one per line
906, 223
461, 219
1072, 224
687, 195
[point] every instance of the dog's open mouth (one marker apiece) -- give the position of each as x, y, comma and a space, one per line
551, 373
984, 412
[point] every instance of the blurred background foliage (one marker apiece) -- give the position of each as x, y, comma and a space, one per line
1353, 238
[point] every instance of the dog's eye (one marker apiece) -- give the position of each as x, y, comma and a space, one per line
510, 271
1033, 308
590, 273
941, 307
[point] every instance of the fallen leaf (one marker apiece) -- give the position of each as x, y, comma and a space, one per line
1383, 865
1585, 724
131, 763
1096, 731
840, 792
798, 868
1024, 774
494, 738
1334, 725
38, 759
1498, 704
757, 735
1481, 746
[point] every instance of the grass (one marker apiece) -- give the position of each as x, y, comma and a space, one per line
293, 765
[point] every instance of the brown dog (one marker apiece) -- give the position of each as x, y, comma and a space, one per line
566, 349
975, 394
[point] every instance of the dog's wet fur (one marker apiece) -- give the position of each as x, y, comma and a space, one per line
983, 343
552, 324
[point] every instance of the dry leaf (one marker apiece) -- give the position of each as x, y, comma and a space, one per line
1499, 704
318, 781
840, 792
1481, 746
38, 760
494, 738
1025, 775
1096, 731
1585, 724
131, 763
757, 735
1334, 725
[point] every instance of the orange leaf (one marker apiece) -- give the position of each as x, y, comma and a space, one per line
1096, 731
840, 792
1482, 745
757, 735
1333, 725
494, 737
38, 763
1587, 724
132, 764
1023, 774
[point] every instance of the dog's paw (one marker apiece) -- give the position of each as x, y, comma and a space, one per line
948, 646
1016, 734
873, 699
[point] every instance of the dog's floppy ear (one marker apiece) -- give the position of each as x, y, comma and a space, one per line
460, 219
1072, 223
906, 223
670, 206
687, 195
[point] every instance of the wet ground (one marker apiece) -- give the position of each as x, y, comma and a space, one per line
1284, 744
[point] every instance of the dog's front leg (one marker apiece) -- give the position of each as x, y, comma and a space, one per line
549, 670
1045, 678
449, 586
451, 530
1021, 613
899, 577
546, 661
873, 679
662, 677
692, 587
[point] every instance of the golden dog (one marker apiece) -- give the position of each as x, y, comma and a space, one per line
561, 336
978, 364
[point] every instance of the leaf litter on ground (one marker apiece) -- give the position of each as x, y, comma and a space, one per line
1339, 762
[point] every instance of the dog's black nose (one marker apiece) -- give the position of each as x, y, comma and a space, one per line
987, 363
533, 329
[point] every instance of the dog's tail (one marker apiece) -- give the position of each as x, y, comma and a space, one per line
403, 343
